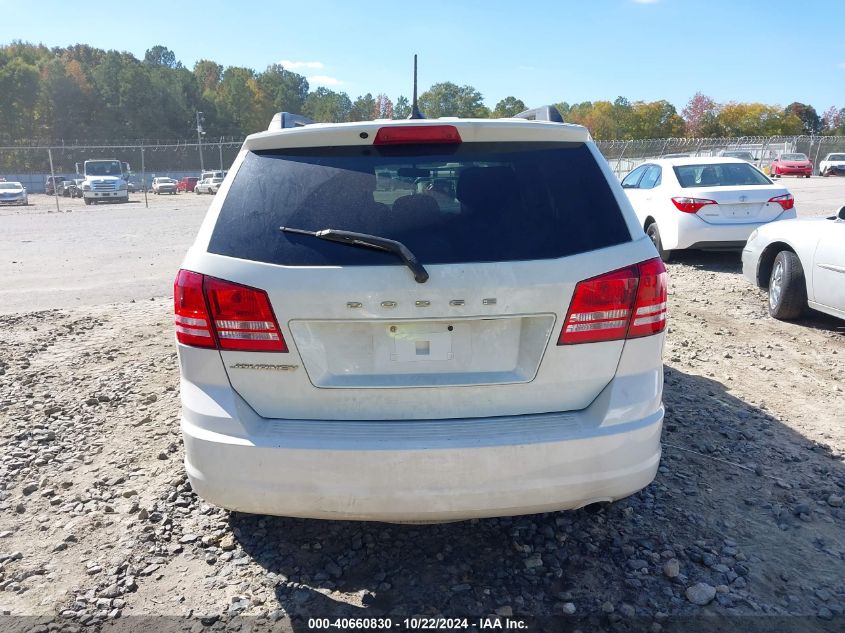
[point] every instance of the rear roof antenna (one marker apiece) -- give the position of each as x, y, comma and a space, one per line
415, 111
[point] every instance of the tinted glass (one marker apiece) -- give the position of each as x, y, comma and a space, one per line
793, 157
475, 202
836, 157
719, 175
651, 178
630, 181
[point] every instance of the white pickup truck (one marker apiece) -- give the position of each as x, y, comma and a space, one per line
833, 165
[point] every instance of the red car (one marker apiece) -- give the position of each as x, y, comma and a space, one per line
791, 165
187, 184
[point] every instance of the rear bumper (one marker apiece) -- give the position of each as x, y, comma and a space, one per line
424, 470
291, 472
693, 232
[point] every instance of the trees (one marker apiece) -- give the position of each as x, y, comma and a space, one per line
811, 123
383, 108
448, 99
402, 108
324, 105
161, 56
84, 93
285, 90
507, 107
833, 121
19, 87
700, 116
363, 108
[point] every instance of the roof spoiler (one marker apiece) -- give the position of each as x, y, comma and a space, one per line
282, 120
543, 113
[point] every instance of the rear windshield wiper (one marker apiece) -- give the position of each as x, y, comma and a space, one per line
365, 240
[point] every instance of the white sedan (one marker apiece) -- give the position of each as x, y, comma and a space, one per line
13, 193
802, 263
704, 203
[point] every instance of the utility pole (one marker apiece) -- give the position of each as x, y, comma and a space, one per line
200, 132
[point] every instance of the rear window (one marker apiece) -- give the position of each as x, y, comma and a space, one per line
474, 202
719, 175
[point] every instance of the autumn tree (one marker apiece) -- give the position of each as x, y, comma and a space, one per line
833, 121
701, 116
811, 122
383, 108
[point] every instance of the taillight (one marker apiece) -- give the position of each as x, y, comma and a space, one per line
600, 308
192, 322
652, 293
212, 312
625, 303
786, 202
691, 205
243, 318
417, 134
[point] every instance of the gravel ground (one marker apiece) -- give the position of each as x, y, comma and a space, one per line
745, 517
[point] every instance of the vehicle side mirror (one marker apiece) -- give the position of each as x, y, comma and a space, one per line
841, 214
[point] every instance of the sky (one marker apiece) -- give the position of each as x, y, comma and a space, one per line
541, 52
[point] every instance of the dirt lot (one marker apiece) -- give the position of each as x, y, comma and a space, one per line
97, 522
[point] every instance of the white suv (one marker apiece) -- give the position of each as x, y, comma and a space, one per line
476, 333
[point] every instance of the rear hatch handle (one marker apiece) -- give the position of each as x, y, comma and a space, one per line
365, 240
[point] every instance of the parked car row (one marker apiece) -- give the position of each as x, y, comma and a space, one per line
726, 203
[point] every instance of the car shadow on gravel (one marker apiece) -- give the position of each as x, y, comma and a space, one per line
742, 503
714, 261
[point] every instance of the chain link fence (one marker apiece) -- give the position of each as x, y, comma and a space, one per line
623, 156
30, 165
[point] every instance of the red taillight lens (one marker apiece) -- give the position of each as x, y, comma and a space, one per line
192, 322
625, 303
417, 134
650, 307
787, 201
691, 205
240, 317
243, 318
600, 308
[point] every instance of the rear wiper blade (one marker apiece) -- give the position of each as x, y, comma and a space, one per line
365, 240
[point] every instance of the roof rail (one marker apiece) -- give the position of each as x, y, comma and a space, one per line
543, 113
282, 120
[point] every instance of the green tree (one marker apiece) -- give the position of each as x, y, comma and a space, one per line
448, 99
19, 87
286, 90
363, 108
508, 107
324, 106
161, 56
402, 108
